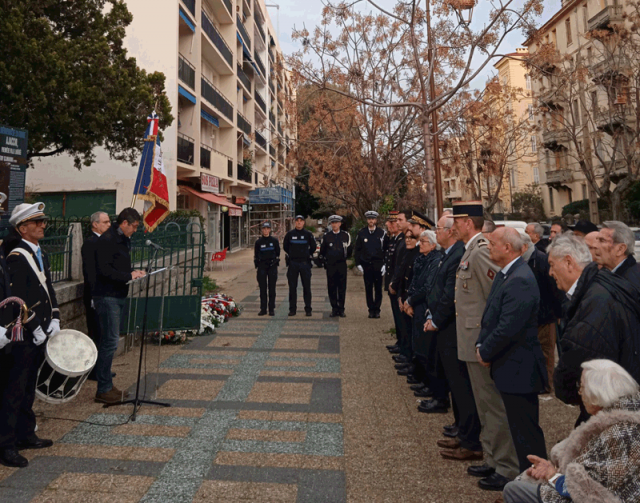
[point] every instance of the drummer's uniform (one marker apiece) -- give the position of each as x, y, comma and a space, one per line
25, 284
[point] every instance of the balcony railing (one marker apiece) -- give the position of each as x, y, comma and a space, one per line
260, 64
555, 136
244, 78
213, 95
610, 14
261, 30
227, 4
280, 129
260, 101
213, 33
243, 32
273, 89
244, 124
261, 140
191, 5
272, 150
186, 72
185, 148
559, 176
244, 174
272, 117
230, 168
205, 157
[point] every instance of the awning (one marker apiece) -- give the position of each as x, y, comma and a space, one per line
215, 199
246, 51
209, 118
186, 94
188, 21
246, 140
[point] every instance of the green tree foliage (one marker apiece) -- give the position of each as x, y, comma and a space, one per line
66, 77
528, 205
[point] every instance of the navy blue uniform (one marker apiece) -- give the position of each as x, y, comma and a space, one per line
335, 250
299, 246
266, 258
369, 254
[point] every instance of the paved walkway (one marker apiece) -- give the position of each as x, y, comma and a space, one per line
270, 409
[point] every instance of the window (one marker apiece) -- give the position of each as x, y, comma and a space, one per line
534, 144
594, 101
576, 112
536, 176
551, 205
528, 77
584, 191
530, 112
585, 17
453, 185
567, 27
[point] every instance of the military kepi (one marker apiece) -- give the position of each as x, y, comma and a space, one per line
468, 209
26, 212
421, 220
393, 216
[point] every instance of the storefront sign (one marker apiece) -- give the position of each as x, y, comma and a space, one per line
210, 183
233, 212
13, 166
244, 207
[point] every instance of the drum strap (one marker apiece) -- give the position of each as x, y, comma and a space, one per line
42, 277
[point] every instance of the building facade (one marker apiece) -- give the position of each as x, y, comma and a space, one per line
230, 95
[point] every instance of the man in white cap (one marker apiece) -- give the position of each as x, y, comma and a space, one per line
369, 255
30, 280
335, 251
299, 245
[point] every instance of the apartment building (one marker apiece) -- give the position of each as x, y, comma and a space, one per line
584, 108
230, 94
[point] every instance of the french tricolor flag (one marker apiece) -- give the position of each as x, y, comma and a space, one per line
151, 182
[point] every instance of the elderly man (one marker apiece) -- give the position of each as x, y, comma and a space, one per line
369, 256
536, 232
602, 319
508, 343
614, 251
473, 283
591, 240
557, 228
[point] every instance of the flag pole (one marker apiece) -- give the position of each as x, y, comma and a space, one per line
149, 138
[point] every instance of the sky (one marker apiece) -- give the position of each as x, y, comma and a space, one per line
297, 13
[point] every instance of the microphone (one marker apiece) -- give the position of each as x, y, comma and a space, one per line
148, 242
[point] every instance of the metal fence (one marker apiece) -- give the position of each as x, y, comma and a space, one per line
57, 244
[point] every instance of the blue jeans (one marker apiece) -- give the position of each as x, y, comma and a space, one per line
109, 311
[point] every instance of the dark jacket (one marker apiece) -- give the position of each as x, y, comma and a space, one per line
509, 333
551, 297
398, 267
441, 297
114, 264
89, 265
299, 245
369, 247
424, 269
390, 245
266, 252
542, 245
408, 262
602, 320
26, 285
7, 313
335, 248
630, 270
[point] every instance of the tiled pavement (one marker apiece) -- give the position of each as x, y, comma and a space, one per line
270, 409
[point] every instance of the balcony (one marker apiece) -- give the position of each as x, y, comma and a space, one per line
243, 124
213, 95
605, 71
228, 5
190, 5
554, 138
261, 141
186, 146
271, 86
272, 151
244, 173
603, 19
559, 177
243, 32
244, 78
205, 157
272, 118
216, 39
260, 64
280, 129
260, 101
186, 72
612, 118
261, 31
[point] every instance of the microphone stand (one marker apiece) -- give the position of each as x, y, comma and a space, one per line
137, 401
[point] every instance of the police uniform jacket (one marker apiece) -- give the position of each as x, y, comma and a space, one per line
335, 247
369, 247
390, 244
473, 283
266, 252
299, 245
398, 266
25, 284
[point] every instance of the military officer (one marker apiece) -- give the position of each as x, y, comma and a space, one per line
30, 280
390, 242
335, 251
299, 245
369, 255
266, 258
473, 283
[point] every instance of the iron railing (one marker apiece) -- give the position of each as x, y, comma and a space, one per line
205, 157
186, 146
244, 78
261, 30
260, 101
57, 244
272, 117
214, 96
186, 71
280, 128
260, 64
243, 32
271, 86
244, 124
217, 40
191, 5
272, 150
261, 140
244, 173
227, 4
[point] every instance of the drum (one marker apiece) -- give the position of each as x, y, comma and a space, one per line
69, 358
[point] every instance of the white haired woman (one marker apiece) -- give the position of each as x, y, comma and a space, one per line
599, 462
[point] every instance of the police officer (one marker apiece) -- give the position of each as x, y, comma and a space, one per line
266, 258
369, 255
335, 251
299, 245
30, 280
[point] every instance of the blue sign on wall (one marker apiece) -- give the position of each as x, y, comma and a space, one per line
13, 166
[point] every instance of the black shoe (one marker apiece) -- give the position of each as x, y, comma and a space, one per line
292, 313
342, 315
411, 379
392, 346
34, 443
449, 427
404, 365
406, 371
113, 374
12, 458
333, 314
400, 359
262, 312
307, 313
481, 470
434, 406
371, 315
272, 313
417, 387
423, 393
494, 482
451, 433
395, 351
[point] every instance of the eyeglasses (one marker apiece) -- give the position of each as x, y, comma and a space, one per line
443, 228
